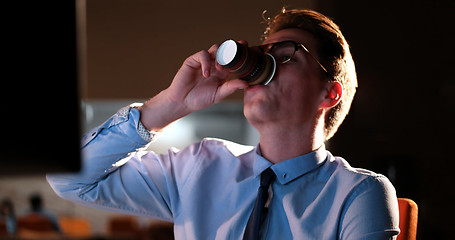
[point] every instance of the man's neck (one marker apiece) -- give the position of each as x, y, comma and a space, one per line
280, 143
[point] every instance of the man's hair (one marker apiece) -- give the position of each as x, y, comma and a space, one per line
36, 202
333, 53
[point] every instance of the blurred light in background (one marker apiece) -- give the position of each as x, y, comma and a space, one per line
224, 120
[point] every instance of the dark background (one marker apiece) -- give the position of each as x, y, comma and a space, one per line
401, 121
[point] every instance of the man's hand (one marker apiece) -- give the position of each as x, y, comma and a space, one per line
199, 83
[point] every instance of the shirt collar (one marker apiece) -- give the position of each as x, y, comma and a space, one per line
293, 168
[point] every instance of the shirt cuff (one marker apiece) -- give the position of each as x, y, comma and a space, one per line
145, 134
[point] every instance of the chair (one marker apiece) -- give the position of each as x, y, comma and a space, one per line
35, 222
124, 226
160, 230
75, 227
3, 231
35, 226
408, 219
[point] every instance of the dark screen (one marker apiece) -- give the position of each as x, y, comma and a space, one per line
40, 94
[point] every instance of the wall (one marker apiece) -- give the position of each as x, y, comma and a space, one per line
135, 47
400, 118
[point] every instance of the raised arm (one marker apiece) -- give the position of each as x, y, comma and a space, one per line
198, 84
115, 174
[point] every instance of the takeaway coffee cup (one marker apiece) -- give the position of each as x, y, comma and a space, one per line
246, 63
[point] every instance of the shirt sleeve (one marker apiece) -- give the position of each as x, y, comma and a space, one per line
371, 212
116, 175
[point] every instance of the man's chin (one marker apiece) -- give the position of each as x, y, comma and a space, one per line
258, 112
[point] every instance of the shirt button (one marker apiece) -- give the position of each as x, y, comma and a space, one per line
285, 175
93, 134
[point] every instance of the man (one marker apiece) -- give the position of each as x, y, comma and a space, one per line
210, 189
37, 208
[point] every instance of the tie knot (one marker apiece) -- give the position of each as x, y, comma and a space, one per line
267, 177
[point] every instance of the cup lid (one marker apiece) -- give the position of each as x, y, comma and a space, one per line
226, 52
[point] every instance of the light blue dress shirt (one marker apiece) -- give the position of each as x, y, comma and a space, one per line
208, 189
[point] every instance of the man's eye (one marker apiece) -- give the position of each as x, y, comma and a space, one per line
286, 59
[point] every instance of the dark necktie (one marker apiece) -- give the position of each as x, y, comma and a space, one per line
254, 223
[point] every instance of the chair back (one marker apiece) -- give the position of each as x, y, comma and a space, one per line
35, 222
3, 230
408, 219
124, 226
75, 227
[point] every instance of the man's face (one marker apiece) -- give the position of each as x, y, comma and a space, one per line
294, 94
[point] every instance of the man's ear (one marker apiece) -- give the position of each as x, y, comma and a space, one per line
331, 95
